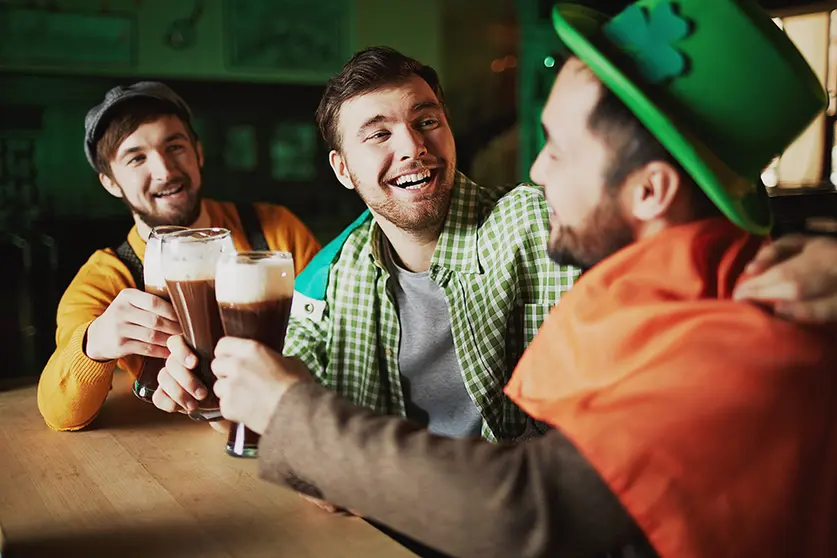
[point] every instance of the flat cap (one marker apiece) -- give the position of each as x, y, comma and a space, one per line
97, 118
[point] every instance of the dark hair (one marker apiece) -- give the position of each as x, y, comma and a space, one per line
368, 70
634, 146
124, 121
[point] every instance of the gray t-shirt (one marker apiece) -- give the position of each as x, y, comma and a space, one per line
431, 378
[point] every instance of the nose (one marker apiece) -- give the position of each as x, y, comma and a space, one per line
410, 144
536, 171
162, 168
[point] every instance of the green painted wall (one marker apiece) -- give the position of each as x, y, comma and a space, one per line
63, 176
62, 94
412, 26
540, 54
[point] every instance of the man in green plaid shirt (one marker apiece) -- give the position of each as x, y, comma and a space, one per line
483, 247
423, 306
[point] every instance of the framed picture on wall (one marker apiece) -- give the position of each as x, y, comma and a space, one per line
37, 38
294, 36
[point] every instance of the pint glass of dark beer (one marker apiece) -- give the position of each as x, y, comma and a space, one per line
254, 292
155, 283
189, 259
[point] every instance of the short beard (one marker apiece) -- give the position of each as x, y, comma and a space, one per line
183, 218
604, 233
428, 220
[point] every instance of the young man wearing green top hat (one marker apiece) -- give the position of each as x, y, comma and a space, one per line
686, 423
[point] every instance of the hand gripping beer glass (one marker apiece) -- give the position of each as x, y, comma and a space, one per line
155, 283
254, 292
189, 259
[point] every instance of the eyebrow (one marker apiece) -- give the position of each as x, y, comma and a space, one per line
175, 136
424, 105
378, 118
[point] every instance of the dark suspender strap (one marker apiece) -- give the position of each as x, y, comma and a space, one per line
252, 229
252, 226
128, 257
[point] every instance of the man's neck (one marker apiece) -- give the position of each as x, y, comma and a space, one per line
413, 251
200, 223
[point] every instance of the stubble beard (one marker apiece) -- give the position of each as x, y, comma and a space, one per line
428, 214
604, 233
183, 218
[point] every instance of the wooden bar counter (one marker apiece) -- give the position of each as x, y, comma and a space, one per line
139, 482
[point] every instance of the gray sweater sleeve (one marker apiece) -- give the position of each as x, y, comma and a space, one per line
463, 497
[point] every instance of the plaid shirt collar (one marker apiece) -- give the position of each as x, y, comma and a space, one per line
456, 249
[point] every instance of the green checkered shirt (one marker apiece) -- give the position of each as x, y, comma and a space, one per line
492, 265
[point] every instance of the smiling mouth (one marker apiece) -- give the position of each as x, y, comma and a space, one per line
170, 192
414, 181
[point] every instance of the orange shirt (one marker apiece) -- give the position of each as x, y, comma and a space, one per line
713, 421
73, 387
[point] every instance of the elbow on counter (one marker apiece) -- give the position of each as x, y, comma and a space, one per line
62, 417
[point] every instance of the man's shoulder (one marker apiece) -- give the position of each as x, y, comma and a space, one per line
103, 273
272, 215
522, 196
513, 204
270, 208
693, 329
512, 189
517, 211
344, 251
106, 261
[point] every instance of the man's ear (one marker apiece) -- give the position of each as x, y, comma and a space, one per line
199, 152
341, 171
651, 191
111, 186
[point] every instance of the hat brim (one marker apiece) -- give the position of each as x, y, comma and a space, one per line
742, 200
98, 130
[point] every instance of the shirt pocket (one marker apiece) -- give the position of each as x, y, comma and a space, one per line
533, 317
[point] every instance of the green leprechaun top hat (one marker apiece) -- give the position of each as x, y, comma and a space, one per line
715, 81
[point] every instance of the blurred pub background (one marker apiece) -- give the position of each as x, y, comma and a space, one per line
253, 72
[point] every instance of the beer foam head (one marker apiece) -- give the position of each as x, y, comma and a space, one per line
193, 254
153, 268
247, 278
152, 264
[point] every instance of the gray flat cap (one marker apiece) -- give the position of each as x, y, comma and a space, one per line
96, 120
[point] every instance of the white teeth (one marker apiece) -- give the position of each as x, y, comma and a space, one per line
168, 192
412, 177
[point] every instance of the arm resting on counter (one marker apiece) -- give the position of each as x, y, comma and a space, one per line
463, 497
73, 387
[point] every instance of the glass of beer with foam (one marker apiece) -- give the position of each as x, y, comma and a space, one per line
155, 283
254, 292
189, 260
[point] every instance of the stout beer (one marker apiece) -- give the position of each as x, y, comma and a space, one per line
155, 283
189, 260
254, 292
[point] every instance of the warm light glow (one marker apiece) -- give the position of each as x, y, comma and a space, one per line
770, 176
801, 163
502, 64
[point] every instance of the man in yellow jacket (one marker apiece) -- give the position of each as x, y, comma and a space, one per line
141, 142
